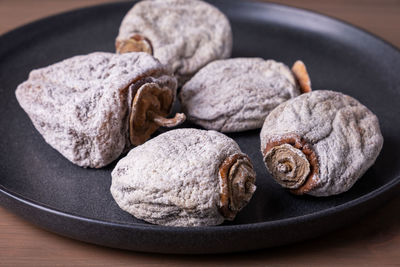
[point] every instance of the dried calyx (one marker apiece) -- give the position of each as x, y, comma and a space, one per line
300, 72
288, 165
237, 184
137, 43
150, 107
292, 163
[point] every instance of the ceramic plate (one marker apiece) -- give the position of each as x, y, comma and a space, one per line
43, 187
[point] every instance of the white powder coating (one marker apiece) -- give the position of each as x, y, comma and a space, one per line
81, 105
237, 94
184, 34
173, 179
344, 134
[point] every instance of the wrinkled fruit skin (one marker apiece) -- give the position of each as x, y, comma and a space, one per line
81, 105
339, 136
174, 179
237, 94
183, 34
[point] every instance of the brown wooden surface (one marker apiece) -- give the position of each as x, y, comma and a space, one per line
373, 240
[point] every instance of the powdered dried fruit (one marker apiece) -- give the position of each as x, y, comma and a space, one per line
237, 94
183, 34
320, 143
184, 177
91, 108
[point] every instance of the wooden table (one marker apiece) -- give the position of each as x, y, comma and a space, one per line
373, 240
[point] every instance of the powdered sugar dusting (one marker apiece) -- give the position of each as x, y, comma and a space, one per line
185, 34
80, 105
237, 94
344, 134
173, 178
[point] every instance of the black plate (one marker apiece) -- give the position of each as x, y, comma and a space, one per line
37, 183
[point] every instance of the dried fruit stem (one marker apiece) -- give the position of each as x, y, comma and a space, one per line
137, 43
293, 163
288, 165
150, 106
167, 122
237, 184
300, 72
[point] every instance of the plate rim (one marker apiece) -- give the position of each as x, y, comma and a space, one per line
37, 21
147, 226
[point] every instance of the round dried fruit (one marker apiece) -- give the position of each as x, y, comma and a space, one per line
320, 143
183, 34
184, 177
93, 107
237, 94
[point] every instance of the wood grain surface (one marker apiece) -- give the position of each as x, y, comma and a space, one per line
374, 240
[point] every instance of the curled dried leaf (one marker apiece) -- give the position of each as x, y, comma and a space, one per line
136, 43
237, 184
300, 72
288, 165
292, 163
150, 106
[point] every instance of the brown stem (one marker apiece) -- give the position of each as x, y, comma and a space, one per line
237, 184
137, 43
300, 72
150, 105
167, 122
288, 165
292, 163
